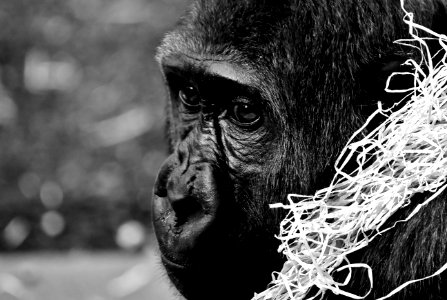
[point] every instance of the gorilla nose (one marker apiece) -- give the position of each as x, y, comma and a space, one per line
183, 198
184, 207
189, 192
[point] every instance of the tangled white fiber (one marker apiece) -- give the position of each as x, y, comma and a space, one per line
405, 155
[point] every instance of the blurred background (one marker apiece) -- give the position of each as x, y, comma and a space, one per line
81, 141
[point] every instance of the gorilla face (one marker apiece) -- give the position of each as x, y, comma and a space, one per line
208, 225
262, 97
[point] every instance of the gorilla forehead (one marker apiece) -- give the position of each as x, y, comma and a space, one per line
300, 29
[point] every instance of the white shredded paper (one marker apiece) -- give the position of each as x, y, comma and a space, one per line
405, 155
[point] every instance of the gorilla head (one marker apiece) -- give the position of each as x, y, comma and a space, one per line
263, 94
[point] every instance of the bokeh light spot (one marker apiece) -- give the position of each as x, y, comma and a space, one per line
52, 223
130, 235
42, 73
51, 194
15, 232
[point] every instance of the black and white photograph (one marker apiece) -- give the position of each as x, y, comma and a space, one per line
223, 149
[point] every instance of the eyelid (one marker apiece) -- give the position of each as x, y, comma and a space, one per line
243, 100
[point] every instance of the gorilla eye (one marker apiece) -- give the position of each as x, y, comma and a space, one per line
189, 96
246, 114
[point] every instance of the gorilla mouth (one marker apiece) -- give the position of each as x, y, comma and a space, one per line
170, 264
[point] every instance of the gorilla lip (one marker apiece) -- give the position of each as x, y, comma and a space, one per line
171, 264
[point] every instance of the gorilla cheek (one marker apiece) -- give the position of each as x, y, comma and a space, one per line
184, 210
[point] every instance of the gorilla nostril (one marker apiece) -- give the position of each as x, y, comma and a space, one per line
160, 188
185, 209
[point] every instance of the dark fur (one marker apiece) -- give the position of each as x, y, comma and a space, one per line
321, 65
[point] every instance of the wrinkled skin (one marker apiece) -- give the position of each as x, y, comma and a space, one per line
263, 94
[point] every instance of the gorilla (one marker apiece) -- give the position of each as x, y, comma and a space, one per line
263, 95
